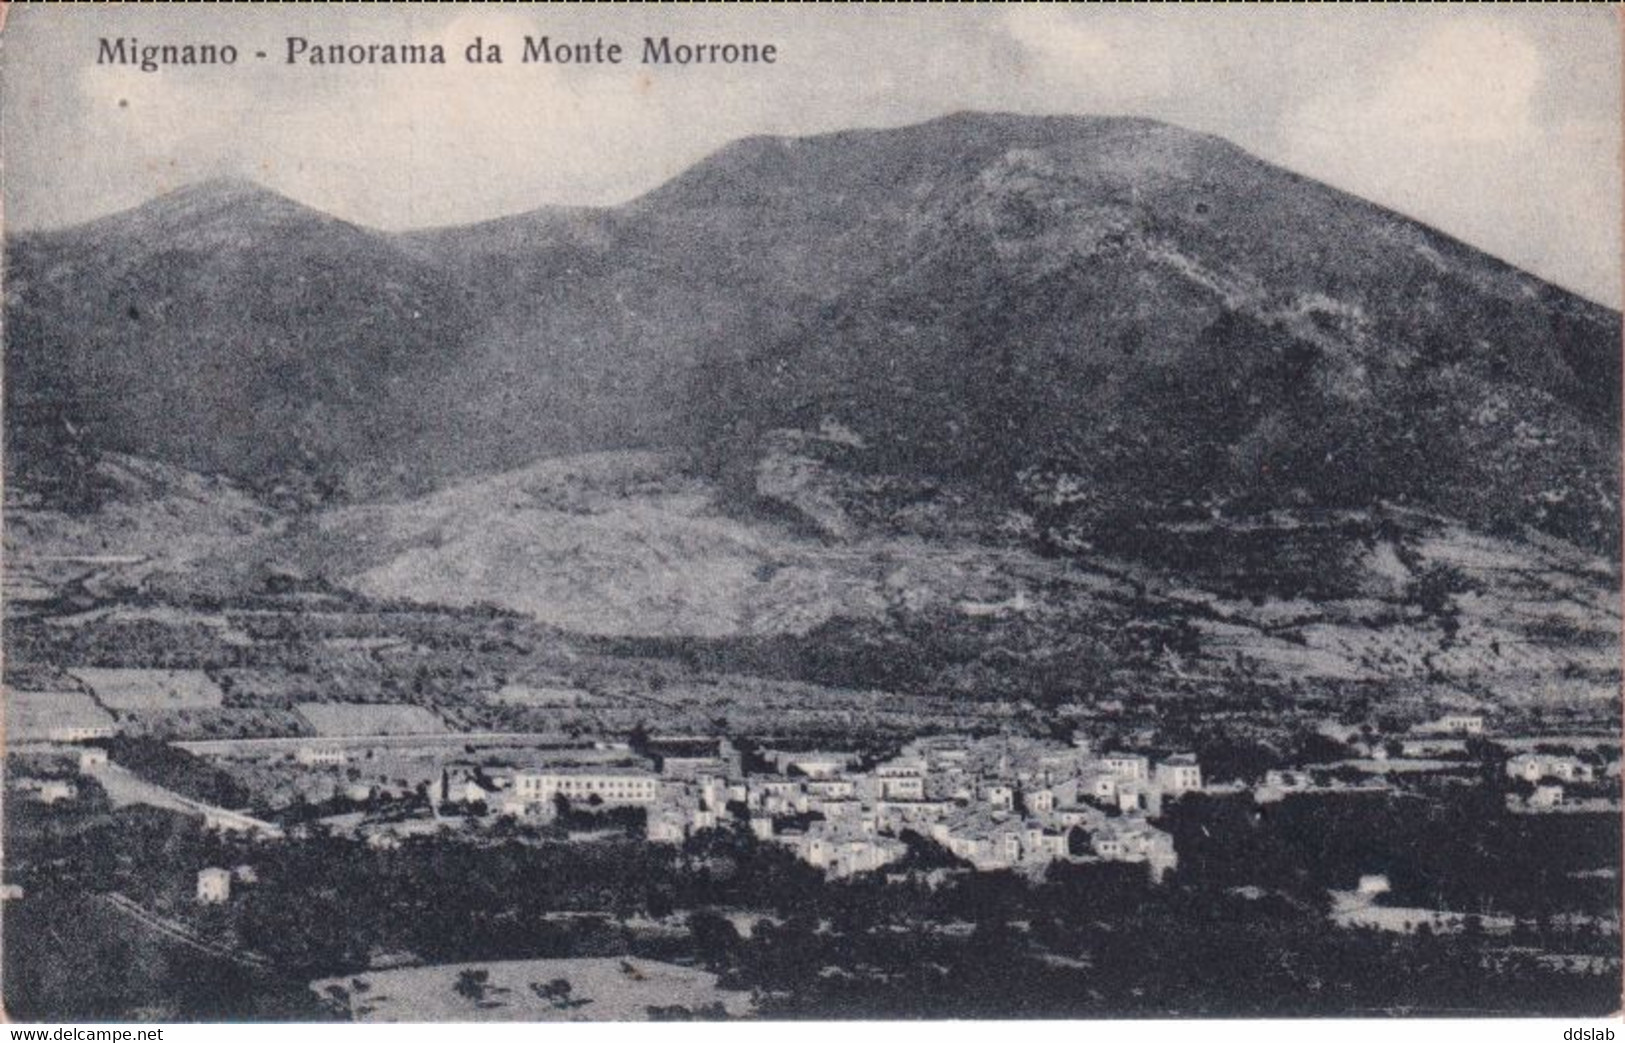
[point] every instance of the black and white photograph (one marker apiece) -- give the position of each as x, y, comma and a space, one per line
535, 513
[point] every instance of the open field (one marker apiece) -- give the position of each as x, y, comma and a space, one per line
124, 689
370, 719
31, 716
600, 989
541, 695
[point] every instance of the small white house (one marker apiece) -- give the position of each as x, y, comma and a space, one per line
666, 827
1533, 767
1546, 797
55, 791
1130, 767
213, 885
1462, 724
1452, 724
1179, 774
998, 795
1372, 884
314, 756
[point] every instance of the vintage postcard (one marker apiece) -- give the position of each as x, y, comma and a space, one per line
527, 513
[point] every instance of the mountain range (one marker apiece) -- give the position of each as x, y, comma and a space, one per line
1022, 303
1094, 388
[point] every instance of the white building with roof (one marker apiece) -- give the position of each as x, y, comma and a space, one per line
843, 853
1548, 795
998, 795
1138, 796
1453, 724
610, 786
320, 756
1134, 840
56, 791
1179, 774
666, 827
1373, 884
897, 815
814, 763
1532, 767
213, 885
1129, 767
775, 795
902, 778
81, 732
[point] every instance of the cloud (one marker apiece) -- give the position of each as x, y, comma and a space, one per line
1104, 59
1460, 86
1500, 127
1454, 129
1465, 83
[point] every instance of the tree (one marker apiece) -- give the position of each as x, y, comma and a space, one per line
472, 983
558, 993
715, 938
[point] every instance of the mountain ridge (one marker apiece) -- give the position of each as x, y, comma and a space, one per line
226, 186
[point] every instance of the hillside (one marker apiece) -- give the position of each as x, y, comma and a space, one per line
224, 328
1177, 329
635, 546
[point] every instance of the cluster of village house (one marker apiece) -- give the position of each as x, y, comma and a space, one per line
1548, 773
1002, 802
997, 803
55, 791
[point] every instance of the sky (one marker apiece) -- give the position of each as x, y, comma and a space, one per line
1497, 124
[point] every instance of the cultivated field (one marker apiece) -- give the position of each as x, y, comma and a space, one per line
541, 695
600, 989
121, 689
32, 716
370, 719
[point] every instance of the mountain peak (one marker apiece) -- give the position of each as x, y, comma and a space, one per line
977, 121
1137, 308
224, 185
875, 163
228, 202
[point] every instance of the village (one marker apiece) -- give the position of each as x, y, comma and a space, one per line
997, 803
991, 802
